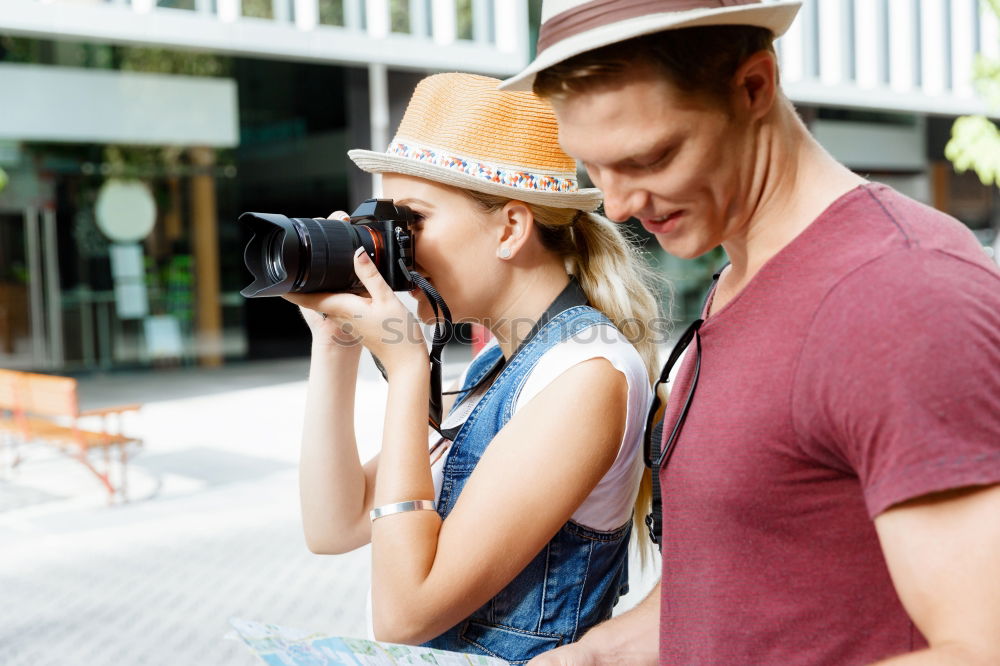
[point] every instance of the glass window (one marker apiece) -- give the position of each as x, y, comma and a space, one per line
331, 12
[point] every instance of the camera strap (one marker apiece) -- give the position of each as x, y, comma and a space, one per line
443, 327
571, 296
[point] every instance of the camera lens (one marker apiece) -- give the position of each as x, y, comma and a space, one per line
301, 254
290, 254
272, 258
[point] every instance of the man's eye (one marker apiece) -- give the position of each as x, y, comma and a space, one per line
656, 161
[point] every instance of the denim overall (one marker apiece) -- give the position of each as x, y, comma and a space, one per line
574, 582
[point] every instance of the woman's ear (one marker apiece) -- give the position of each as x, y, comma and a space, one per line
518, 225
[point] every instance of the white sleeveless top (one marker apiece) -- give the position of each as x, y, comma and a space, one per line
610, 504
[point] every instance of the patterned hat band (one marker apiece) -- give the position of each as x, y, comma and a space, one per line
491, 173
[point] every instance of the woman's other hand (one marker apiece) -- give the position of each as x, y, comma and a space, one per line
379, 320
327, 331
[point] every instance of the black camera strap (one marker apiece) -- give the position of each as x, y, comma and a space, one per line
443, 327
442, 332
573, 295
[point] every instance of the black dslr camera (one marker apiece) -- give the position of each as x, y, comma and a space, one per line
301, 254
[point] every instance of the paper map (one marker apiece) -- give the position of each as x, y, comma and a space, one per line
282, 646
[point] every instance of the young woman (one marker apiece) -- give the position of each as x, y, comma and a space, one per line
534, 495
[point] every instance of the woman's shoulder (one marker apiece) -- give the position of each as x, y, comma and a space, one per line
601, 340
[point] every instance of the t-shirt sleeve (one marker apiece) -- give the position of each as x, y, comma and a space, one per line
898, 381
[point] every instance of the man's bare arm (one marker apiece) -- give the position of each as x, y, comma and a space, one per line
630, 639
943, 553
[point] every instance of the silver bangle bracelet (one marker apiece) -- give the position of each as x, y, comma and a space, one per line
400, 507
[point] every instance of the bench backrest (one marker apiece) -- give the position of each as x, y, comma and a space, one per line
9, 390
48, 395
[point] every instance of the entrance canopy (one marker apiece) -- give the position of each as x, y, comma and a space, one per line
44, 103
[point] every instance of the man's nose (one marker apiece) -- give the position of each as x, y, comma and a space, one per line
621, 200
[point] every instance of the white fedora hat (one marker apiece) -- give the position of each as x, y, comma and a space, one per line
572, 27
461, 130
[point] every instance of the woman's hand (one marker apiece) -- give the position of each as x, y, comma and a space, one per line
326, 331
379, 321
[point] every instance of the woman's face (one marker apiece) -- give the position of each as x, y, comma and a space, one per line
456, 245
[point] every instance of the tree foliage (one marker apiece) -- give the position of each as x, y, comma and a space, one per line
975, 140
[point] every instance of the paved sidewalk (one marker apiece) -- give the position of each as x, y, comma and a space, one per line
213, 531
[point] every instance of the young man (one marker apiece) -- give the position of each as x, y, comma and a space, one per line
832, 493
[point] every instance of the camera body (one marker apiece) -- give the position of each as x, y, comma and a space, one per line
305, 255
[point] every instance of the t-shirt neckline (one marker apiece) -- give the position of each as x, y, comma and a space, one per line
788, 250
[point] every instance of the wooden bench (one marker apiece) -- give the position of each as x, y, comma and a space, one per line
44, 409
9, 415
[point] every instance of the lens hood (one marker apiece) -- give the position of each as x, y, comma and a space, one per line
272, 256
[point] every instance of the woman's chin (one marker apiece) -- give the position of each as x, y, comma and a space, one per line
425, 313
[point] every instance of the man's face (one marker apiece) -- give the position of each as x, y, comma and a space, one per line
681, 164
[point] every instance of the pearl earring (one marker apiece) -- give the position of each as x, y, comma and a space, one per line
504, 253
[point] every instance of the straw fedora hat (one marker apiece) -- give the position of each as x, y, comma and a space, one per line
461, 130
572, 27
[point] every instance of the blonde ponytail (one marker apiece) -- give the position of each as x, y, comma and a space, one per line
618, 282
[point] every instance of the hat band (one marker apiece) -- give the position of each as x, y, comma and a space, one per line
490, 173
597, 13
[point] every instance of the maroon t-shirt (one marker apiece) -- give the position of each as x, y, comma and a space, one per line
858, 369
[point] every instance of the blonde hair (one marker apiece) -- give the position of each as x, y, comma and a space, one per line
618, 282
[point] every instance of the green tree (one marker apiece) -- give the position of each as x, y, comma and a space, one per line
975, 140
3, 179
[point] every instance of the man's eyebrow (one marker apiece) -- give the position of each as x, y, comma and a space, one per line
644, 155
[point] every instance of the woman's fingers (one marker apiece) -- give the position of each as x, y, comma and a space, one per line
339, 305
372, 280
335, 215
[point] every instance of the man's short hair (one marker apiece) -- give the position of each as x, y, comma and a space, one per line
700, 60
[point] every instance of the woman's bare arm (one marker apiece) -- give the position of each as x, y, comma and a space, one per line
428, 574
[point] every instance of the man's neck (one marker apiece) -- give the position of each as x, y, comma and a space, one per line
797, 181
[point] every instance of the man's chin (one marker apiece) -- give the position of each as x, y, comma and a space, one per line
681, 249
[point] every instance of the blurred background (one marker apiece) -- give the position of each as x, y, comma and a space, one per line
132, 135
208, 108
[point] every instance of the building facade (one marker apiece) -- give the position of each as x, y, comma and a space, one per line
134, 132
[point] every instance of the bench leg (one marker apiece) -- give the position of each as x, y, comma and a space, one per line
103, 477
11, 451
123, 485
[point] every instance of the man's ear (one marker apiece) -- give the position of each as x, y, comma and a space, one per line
518, 227
755, 85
